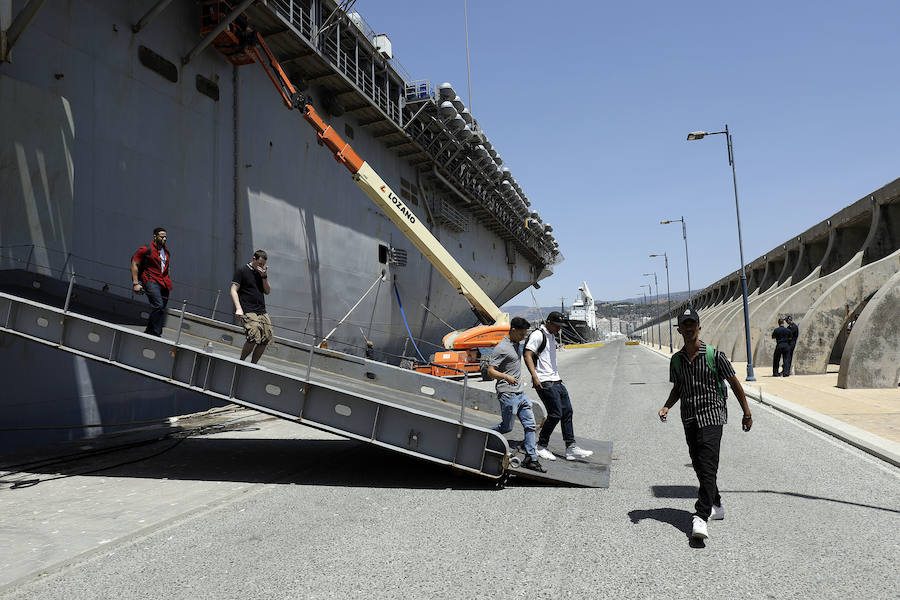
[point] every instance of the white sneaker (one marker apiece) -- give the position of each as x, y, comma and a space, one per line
573, 452
699, 529
718, 513
542, 452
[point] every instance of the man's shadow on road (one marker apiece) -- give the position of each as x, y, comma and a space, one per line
677, 518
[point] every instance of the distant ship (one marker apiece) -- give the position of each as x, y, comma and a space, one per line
583, 316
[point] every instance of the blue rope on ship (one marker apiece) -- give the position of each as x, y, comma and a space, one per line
403, 314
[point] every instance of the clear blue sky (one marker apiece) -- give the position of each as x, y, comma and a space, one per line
589, 104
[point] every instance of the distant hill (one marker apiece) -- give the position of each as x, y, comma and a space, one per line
676, 297
627, 309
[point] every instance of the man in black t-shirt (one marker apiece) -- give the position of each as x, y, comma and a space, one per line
249, 287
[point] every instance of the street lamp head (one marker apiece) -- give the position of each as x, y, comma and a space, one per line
664, 222
652, 255
697, 135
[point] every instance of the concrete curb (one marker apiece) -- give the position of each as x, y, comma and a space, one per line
870, 443
867, 442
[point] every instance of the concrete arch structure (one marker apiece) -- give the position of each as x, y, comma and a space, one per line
799, 299
838, 269
829, 314
871, 357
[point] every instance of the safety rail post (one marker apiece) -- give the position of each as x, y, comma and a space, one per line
69, 292
462, 403
28, 261
312, 349
462, 412
216, 304
181, 321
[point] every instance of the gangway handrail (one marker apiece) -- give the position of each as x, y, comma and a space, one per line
129, 290
389, 424
406, 380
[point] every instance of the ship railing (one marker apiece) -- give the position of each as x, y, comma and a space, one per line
299, 16
446, 152
362, 78
92, 276
420, 89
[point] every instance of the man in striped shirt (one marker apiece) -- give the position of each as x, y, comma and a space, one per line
698, 383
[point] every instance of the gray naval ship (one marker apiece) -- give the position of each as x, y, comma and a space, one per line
120, 116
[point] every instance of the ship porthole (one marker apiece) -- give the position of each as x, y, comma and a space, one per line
148, 353
273, 390
342, 409
42, 322
94, 337
428, 391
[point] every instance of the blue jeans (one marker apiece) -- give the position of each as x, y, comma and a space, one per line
517, 403
158, 296
555, 397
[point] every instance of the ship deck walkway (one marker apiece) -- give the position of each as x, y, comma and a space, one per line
440, 421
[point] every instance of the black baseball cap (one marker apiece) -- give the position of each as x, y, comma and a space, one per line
556, 318
689, 314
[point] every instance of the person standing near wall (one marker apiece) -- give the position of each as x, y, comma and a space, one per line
782, 337
795, 331
150, 275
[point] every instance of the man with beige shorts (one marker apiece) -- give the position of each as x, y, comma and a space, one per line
249, 288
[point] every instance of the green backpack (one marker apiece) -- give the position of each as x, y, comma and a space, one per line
711, 361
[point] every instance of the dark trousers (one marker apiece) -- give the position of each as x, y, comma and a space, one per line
789, 360
782, 353
158, 296
555, 397
703, 446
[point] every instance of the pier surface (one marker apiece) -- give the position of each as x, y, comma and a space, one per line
235, 504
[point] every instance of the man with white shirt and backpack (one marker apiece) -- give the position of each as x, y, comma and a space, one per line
540, 358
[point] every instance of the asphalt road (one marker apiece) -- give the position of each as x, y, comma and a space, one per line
266, 509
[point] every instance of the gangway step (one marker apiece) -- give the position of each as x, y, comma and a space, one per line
590, 472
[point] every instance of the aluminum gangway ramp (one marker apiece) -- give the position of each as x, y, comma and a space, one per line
434, 419
367, 412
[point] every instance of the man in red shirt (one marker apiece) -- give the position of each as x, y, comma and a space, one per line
150, 275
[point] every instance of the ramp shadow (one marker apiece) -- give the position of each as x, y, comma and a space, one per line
275, 461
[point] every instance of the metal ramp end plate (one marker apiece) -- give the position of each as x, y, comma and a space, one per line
592, 472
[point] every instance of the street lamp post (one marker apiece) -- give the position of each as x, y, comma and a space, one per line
658, 319
687, 260
668, 297
699, 135
647, 285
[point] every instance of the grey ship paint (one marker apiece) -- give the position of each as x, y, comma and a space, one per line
101, 141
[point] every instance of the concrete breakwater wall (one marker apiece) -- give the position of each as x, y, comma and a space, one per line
840, 280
